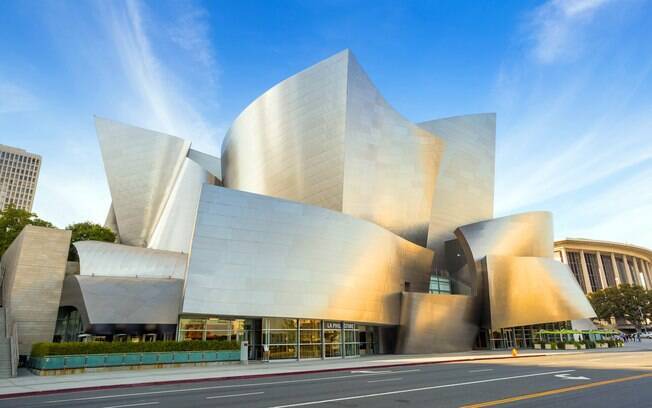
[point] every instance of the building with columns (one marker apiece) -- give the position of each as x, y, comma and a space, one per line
601, 264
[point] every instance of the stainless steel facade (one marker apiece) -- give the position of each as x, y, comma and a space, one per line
255, 255
122, 301
331, 206
515, 274
106, 259
434, 323
465, 183
327, 137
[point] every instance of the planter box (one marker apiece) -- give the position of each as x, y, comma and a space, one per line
95, 360
537, 346
569, 347
74, 361
601, 345
130, 359
548, 346
582, 346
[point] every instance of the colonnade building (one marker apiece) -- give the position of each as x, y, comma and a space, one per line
602, 264
329, 227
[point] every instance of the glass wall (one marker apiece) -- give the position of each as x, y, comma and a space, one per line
213, 328
576, 267
351, 339
592, 269
310, 338
284, 338
69, 325
608, 270
439, 285
281, 337
332, 339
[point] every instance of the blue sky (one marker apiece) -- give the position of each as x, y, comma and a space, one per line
570, 81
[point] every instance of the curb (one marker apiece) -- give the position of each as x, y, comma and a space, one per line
250, 376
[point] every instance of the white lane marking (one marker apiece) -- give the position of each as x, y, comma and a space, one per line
369, 372
218, 387
236, 395
568, 377
481, 371
434, 387
134, 405
385, 379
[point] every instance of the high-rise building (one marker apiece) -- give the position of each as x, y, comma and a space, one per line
19, 172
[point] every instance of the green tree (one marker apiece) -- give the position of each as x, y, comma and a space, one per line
87, 231
12, 222
629, 302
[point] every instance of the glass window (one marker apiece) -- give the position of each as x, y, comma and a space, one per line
621, 270
332, 339
608, 270
281, 337
632, 272
310, 338
592, 269
351, 339
576, 268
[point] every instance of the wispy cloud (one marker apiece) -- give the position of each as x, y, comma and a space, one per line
163, 102
556, 27
575, 133
15, 98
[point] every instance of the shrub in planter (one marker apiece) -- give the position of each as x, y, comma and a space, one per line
561, 345
75, 348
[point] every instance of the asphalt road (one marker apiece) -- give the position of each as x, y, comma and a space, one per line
575, 380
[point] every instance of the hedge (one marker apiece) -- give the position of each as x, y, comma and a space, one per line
76, 348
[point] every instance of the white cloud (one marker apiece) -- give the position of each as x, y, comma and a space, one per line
556, 27
14, 98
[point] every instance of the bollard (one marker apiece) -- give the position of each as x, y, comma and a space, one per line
244, 352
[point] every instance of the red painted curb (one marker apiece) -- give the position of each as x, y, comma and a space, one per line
245, 376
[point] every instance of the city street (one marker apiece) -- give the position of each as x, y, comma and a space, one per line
598, 379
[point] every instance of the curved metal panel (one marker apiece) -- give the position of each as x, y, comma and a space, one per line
390, 165
255, 255
141, 168
106, 259
526, 234
465, 183
111, 300
531, 290
327, 137
174, 230
209, 163
433, 323
288, 143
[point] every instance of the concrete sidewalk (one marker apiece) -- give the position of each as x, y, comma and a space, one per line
28, 383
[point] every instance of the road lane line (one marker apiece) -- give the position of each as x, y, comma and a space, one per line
135, 405
386, 379
434, 387
219, 387
236, 395
556, 391
481, 371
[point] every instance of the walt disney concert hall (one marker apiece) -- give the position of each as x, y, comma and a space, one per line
331, 226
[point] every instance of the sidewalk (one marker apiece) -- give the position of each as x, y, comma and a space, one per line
28, 383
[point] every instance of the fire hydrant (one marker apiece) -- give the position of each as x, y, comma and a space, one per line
514, 352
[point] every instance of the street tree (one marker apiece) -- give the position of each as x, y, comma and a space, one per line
12, 222
630, 302
88, 231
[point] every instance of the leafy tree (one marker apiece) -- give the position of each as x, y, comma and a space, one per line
629, 302
12, 222
87, 231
